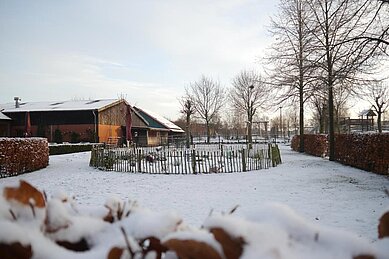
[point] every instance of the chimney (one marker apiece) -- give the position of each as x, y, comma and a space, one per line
17, 99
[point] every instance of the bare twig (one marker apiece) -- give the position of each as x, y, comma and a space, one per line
233, 209
12, 214
127, 242
32, 208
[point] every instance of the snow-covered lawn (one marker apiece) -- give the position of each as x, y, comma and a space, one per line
321, 191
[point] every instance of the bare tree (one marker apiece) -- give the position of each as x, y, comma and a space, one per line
208, 97
187, 109
338, 58
342, 94
378, 96
319, 112
236, 123
291, 56
248, 94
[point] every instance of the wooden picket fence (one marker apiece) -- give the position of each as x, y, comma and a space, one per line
185, 161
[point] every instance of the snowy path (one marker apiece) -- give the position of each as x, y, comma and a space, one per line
319, 190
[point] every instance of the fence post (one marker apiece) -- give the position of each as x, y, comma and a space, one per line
93, 158
193, 161
139, 157
244, 160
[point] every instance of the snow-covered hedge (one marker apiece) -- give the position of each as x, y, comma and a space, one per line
315, 145
369, 152
21, 155
36, 226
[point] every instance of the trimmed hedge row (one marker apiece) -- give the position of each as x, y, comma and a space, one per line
22, 155
316, 145
69, 148
369, 152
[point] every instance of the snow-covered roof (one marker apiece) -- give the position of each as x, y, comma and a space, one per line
58, 106
368, 112
165, 122
4, 117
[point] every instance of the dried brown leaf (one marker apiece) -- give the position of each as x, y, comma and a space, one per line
79, 246
24, 194
192, 249
115, 253
383, 226
232, 247
109, 217
15, 250
153, 244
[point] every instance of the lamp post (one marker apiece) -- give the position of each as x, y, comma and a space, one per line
281, 120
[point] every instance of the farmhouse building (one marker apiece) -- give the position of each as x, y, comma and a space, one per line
159, 129
78, 121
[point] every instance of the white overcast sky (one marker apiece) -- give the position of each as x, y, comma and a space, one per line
148, 51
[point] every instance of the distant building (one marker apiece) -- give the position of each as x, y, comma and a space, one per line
81, 121
364, 123
69, 121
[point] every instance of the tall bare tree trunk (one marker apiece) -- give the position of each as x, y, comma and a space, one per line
208, 132
188, 131
331, 130
379, 123
301, 99
301, 76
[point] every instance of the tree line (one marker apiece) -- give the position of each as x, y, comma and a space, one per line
323, 53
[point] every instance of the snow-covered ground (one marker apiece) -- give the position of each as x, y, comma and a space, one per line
319, 190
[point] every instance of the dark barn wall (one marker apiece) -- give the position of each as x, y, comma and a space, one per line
4, 128
52, 118
69, 133
73, 126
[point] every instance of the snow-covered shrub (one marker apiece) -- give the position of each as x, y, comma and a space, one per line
21, 155
33, 225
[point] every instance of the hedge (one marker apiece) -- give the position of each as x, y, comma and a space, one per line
315, 145
69, 148
369, 152
22, 155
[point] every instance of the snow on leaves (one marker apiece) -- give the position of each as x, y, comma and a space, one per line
40, 227
25, 194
